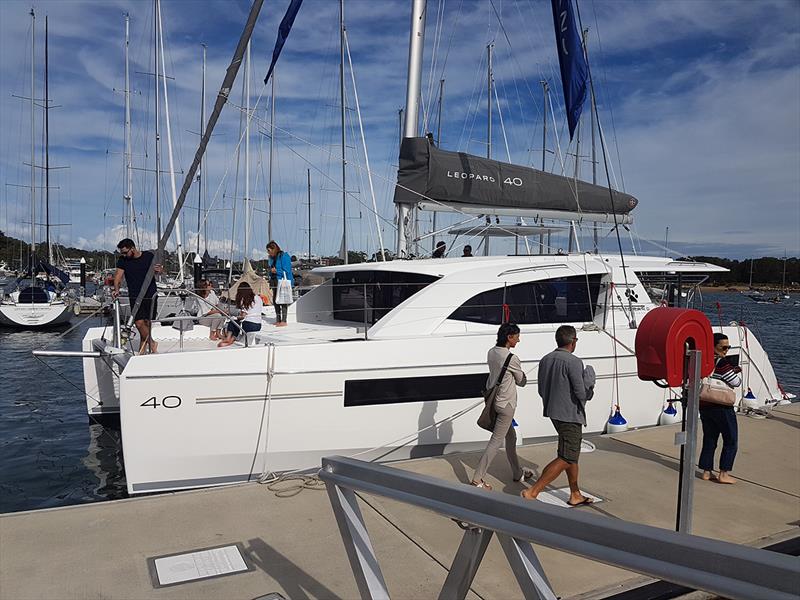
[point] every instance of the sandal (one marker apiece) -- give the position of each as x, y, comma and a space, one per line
482, 484
527, 475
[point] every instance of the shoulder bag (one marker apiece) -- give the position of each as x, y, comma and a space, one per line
716, 391
488, 416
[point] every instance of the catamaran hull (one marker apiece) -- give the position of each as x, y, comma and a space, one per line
227, 416
33, 316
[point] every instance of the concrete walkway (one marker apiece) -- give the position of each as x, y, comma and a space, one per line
101, 550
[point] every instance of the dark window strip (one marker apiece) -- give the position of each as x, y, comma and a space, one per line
396, 390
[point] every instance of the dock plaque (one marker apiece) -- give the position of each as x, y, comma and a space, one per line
200, 564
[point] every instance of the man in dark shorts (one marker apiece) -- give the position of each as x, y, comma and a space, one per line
133, 265
565, 389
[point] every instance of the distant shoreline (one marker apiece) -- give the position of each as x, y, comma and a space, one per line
743, 287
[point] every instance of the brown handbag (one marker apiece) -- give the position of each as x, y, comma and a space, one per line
488, 416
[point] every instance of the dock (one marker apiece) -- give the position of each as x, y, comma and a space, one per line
294, 547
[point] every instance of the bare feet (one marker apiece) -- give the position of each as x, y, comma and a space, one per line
281, 324
214, 336
224, 343
528, 494
153, 347
725, 477
708, 476
579, 500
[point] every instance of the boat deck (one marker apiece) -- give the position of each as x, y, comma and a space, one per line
169, 339
101, 550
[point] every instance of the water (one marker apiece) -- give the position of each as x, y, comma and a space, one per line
51, 455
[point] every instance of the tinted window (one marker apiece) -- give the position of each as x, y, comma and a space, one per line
562, 300
376, 292
366, 392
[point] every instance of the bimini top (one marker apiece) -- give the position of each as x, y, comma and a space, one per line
426, 172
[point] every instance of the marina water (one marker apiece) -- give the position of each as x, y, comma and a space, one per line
52, 455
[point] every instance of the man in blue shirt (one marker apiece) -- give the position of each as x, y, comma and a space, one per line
565, 389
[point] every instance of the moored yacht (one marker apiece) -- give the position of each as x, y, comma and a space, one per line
386, 360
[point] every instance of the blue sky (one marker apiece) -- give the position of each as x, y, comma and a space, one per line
700, 102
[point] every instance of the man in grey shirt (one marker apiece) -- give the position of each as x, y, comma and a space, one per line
565, 388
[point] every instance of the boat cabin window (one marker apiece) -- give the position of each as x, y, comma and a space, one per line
562, 300
368, 296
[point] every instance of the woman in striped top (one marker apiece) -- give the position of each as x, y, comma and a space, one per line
720, 420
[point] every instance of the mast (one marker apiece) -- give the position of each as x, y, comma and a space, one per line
31, 259
344, 150
783, 284
439, 115
271, 152
488, 126
544, 123
158, 164
47, 146
247, 154
546, 99
200, 173
308, 172
128, 198
489, 100
416, 46
178, 237
592, 115
439, 144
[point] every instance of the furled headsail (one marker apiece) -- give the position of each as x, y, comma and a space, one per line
429, 173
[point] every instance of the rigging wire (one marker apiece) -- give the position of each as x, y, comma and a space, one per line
364, 142
608, 179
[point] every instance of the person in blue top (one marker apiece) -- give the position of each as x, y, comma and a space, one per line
279, 264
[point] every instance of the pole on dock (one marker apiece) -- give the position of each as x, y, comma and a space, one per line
687, 439
198, 271
83, 276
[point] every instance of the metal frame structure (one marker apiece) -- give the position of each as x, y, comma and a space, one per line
731, 570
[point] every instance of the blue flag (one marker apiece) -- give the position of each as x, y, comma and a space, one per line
574, 70
283, 34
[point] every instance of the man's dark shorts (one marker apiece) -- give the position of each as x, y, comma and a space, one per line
569, 440
147, 309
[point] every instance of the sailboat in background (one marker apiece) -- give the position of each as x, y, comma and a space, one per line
39, 297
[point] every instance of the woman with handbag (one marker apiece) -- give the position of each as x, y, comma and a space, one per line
720, 419
281, 281
505, 374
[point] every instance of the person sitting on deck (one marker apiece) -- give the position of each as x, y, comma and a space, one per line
249, 320
206, 309
467, 251
441, 247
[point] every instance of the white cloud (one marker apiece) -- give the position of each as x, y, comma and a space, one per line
706, 98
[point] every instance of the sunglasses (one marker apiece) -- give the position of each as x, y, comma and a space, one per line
724, 347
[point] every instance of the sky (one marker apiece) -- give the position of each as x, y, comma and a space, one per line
699, 102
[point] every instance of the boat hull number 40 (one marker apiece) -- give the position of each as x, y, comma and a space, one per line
165, 402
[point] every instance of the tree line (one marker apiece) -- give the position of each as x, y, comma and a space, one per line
766, 270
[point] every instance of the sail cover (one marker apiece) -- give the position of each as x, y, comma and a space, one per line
428, 173
42, 266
